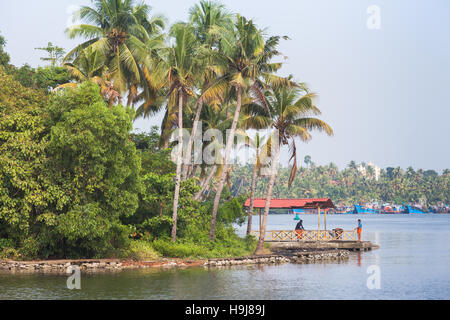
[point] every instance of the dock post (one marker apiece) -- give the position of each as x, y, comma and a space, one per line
318, 223
259, 221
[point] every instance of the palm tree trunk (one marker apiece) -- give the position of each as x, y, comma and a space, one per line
205, 184
192, 171
187, 162
179, 163
225, 164
252, 197
262, 234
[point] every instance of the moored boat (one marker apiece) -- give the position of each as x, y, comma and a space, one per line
413, 209
440, 210
364, 210
387, 209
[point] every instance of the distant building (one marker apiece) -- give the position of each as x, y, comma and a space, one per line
362, 170
376, 170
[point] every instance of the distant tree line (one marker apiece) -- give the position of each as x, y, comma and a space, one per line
350, 186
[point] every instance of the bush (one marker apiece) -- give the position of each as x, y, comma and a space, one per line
141, 250
10, 253
233, 247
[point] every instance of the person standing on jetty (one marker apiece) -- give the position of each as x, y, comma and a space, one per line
359, 229
299, 229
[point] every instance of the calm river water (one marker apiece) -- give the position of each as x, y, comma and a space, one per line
413, 260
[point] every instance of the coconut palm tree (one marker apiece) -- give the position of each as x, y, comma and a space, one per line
182, 68
90, 66
204, 17
290, 111
118, 30
214, 116
243, 63
258, 144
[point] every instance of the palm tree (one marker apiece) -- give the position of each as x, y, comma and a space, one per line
119, 29
289, 112
257, 143
213, 117
90, 66
204, 17
243, 62
182, 68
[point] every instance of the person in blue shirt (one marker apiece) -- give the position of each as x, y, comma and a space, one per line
359, 229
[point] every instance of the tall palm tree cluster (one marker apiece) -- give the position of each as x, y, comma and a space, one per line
215, 70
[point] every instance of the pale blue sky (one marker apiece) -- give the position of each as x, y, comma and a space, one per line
385, 92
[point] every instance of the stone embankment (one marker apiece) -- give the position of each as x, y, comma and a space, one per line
291, 257
63, 266
60, 266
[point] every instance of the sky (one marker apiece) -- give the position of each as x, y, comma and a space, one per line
385, 91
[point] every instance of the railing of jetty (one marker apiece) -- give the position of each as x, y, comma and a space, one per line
307, 235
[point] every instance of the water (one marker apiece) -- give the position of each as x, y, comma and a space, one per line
413, 259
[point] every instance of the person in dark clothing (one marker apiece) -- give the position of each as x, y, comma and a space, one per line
299, 229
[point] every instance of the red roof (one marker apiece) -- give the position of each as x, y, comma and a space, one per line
323, 203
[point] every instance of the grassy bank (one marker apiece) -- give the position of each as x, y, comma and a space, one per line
142, 250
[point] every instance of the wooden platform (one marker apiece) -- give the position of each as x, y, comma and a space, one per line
307, 235
323, 245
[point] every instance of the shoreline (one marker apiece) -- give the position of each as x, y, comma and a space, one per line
117, 265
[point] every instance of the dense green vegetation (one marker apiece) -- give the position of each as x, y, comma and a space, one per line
76, 182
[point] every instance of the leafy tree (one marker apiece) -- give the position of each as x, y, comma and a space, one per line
153, 158
55, 54
50, 78
4, 56
68, 172
307, 160
25, 189
41, 78
90, 148
25, 75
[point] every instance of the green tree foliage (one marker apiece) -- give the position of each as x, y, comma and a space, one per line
68, 172
54, 54
45, 79
4, 56
25, 189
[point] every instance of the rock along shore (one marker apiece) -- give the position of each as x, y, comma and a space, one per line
112, 265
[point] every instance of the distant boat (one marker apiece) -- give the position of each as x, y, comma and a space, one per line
364, 210
393, 210
444, 209
411, 209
